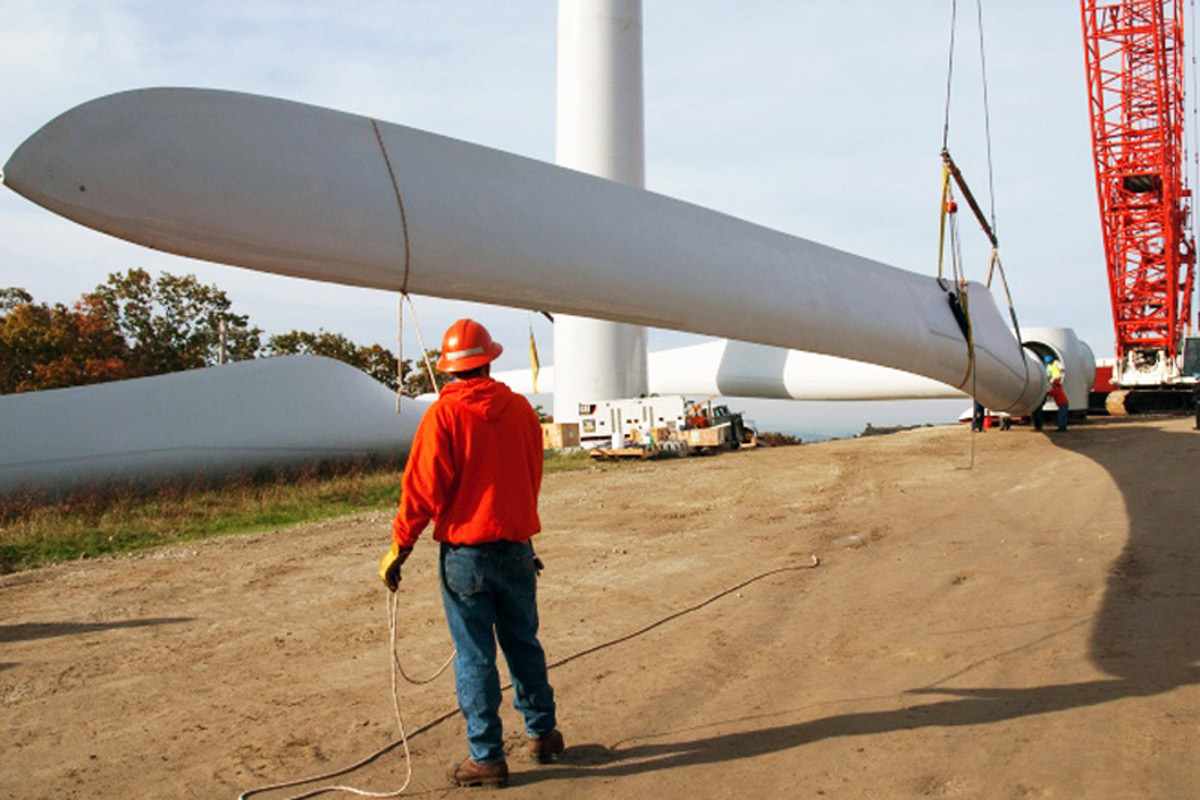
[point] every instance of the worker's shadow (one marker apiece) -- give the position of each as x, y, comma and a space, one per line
1145, 635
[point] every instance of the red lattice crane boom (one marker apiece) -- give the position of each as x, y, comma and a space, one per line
1134, 51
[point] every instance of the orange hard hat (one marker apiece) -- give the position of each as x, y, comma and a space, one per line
467, 345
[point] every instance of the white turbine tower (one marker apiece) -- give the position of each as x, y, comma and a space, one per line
600, 130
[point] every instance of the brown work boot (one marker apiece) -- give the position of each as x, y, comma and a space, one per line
544, 749
468, 773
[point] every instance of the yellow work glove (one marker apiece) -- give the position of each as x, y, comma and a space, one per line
389, 565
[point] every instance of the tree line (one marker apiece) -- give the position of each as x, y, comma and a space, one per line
134, 326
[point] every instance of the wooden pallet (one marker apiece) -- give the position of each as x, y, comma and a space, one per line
622, 453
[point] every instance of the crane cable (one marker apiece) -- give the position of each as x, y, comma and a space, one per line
951, 175
995, 264
948, 222
949, 74
987, 117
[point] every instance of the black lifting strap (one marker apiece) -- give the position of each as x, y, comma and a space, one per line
956, 308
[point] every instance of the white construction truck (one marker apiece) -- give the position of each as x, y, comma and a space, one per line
613, 423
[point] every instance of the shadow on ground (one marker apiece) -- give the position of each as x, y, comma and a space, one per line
28, 631
1144, 635
1146, 630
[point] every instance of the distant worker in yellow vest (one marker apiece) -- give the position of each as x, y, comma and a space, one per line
1054, 369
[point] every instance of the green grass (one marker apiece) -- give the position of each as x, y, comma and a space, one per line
35, 531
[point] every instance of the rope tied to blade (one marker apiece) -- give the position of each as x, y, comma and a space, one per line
404, 295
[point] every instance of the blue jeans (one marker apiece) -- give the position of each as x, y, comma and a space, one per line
1063, 412
490, 594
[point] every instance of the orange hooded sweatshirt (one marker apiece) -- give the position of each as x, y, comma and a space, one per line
475, 468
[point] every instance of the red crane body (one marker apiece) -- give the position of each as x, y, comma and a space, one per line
1134, 52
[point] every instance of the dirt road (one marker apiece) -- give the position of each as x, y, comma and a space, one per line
1026, 628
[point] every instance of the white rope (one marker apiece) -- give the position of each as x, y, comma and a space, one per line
400, 347
387, 162
397, 669
399, 351
421, 341
393, 601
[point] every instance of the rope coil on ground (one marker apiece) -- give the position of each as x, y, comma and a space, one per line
397, 669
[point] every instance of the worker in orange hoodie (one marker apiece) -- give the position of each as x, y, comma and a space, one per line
475, 470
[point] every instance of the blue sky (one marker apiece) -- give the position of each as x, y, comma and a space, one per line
822, 119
